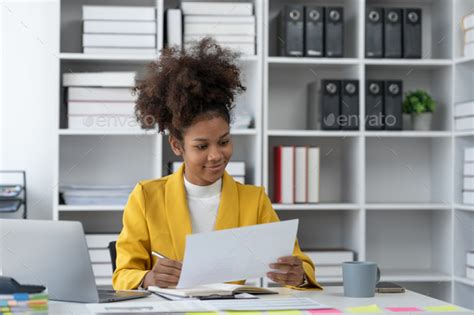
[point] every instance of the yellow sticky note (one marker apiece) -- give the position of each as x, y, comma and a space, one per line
244, 312
289, 312
442, 308
373, 308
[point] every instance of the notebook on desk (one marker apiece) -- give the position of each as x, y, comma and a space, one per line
220, 289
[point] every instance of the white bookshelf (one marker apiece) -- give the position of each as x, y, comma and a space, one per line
407, 206
126, 156
74, 208
408, 134
392, 197
318, 206
416, 63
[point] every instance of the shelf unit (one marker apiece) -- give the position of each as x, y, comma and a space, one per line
126, 156
392, 197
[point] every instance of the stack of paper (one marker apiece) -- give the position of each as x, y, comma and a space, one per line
464, 115
468, 180
219, 289
100, 100
96, 195
119, 30
231, 24
296, 174
242, 119
468, 28
234, 169
100, 256
328, 262
10, 191
23, 303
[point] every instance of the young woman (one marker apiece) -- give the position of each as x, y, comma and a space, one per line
191, 94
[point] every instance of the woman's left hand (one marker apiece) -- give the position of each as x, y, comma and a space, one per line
287, 271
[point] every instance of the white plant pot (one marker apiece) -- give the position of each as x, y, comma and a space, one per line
407, 122
422, 121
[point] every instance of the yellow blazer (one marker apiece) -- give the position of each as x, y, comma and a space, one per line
156, 218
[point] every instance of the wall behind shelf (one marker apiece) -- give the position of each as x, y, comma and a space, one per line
29, 40
108, 160
409, 178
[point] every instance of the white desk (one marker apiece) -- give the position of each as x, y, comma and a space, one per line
331, 296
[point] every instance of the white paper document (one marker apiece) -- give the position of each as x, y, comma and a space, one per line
235, 254
150, 307
289, 303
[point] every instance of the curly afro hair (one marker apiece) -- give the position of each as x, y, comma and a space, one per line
183, 85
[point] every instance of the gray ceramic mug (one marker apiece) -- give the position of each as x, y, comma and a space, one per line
360, 278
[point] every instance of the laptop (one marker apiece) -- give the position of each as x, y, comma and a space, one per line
53, 254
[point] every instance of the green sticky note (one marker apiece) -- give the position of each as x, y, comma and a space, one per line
442, 308
289, 312
244, 312
373, 308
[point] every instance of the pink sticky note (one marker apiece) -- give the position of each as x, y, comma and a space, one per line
325, 311
403, 309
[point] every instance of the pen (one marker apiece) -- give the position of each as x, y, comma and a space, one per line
159, 255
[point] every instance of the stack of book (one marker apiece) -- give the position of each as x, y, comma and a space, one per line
468, 180
24, 303
470, 265
231, 24
100, 100
328, 262
296, 171
100, 256
468, 28
464, 115
234, 169
88, 195
119, 30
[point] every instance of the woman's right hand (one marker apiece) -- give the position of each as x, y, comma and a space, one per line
165, 273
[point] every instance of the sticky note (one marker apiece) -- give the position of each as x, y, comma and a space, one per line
403, 309
12, 303
289, 312
373, 308
442, 308
325, 311
21, 296
244, 312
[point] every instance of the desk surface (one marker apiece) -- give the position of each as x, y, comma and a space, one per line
331, 296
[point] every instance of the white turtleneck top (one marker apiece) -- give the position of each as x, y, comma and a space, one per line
203, 203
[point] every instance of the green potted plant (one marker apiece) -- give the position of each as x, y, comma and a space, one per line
420, 105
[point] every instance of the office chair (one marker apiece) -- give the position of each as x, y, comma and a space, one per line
113, 254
